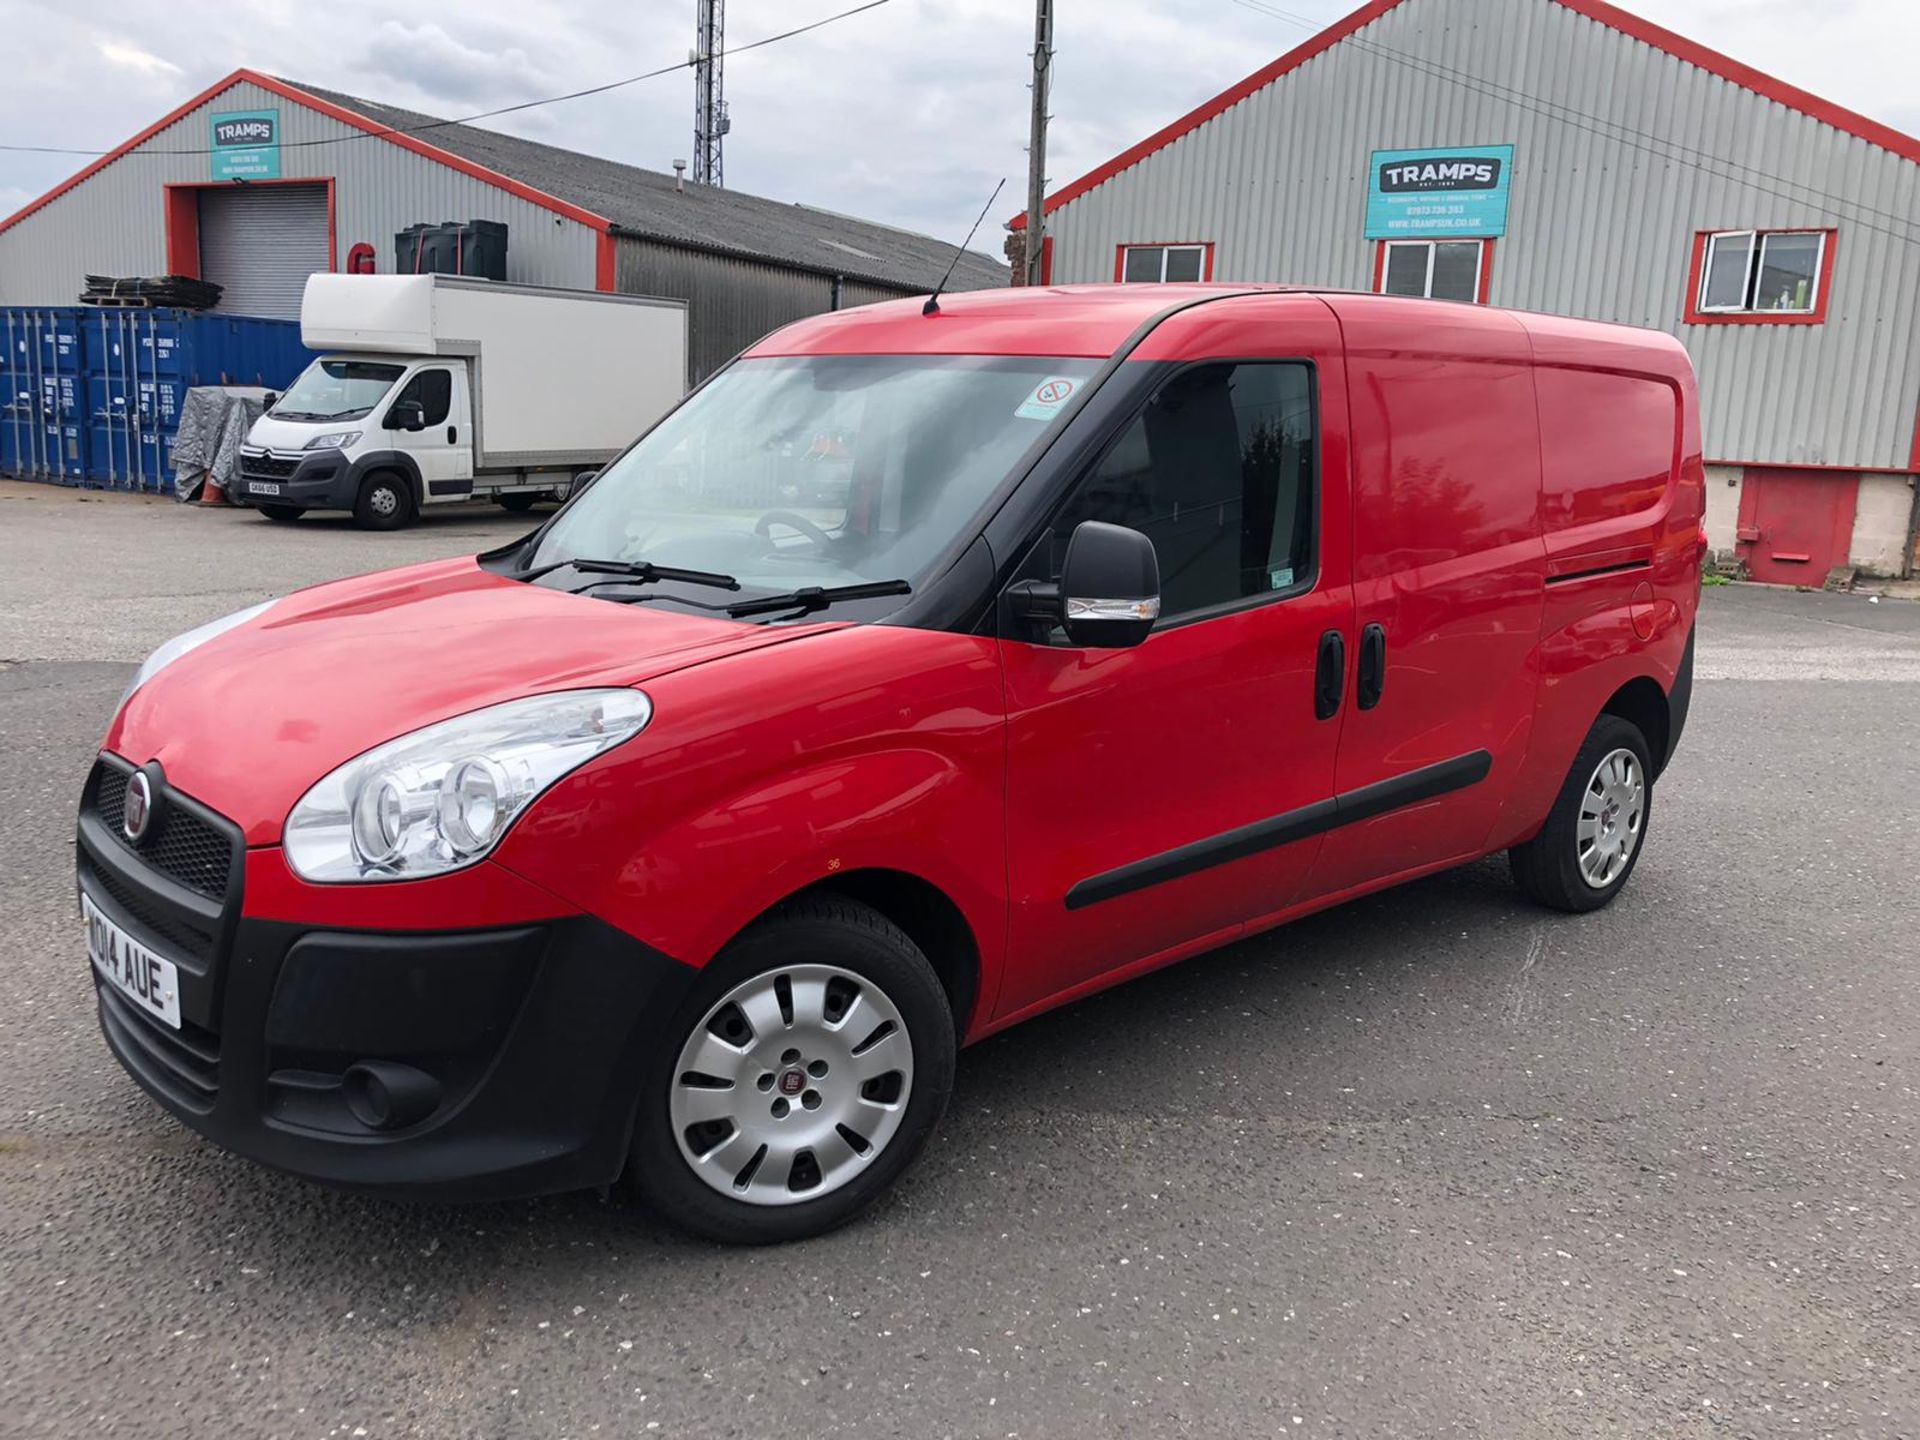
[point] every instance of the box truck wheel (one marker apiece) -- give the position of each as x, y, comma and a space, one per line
385, 501
1598, 824
282, 512
517, 502
802, 1075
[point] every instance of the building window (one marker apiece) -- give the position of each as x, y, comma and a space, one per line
1779, 276
1434, 269
1135, 263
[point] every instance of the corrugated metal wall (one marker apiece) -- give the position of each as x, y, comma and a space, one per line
1598, 228
730, 302
114, 222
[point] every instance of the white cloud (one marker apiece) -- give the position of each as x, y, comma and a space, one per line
127, 57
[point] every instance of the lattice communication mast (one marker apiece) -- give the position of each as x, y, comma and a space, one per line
710, 123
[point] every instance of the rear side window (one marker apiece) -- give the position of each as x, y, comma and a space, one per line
1218, 472
434, 390
1607, 444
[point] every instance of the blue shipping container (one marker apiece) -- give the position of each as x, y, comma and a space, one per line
93, 395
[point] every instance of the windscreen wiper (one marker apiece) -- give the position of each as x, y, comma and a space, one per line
643, 572
815, 597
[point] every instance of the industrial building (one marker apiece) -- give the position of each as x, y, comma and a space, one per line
258, 182
1566, 156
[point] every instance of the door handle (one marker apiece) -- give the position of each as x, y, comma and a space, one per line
1373, 667
1329, 675
453, 434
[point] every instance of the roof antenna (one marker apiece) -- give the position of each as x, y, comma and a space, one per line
932, 307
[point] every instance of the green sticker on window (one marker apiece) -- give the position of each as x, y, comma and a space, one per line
1280, 578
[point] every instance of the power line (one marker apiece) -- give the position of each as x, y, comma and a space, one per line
486, 114
1434, 69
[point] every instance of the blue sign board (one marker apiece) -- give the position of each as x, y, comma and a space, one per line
246, 145
1461, 190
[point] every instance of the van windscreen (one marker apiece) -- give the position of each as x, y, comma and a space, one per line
336, 390
820, 470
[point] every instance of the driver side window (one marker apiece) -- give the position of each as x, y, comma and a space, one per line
1218, 472
434, 390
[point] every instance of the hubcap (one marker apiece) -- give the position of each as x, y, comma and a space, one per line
383, 500
792, 1084
1613, 812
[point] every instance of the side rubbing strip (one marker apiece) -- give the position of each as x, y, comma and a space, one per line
1316, 819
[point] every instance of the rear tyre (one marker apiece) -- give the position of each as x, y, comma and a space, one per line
803, 1074
282, 512
385, 502
517, 503
1597, 828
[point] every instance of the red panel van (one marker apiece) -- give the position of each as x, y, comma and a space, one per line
918, 673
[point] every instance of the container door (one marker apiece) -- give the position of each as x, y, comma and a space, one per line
1449, 582
1796, 525
1160, 797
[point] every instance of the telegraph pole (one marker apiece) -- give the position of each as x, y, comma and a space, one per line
709, 101
1037, 138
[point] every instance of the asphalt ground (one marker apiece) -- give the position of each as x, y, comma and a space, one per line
1430, 1164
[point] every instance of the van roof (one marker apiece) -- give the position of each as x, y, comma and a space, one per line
1095, 321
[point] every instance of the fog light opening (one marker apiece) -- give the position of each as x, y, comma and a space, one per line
386, 1096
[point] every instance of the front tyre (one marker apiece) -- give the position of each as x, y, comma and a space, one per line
801, 1077
385, 502
1594, 834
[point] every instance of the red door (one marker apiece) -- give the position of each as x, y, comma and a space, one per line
1138, 781
1796, 525
1449, 575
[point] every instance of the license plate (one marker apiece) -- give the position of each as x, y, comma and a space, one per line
261, 487
142, 976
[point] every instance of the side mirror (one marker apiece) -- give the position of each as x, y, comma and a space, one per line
1109, 592
407, 415
581, 482
269, 400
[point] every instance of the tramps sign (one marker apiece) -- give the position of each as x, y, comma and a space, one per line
1461, 191
246, 145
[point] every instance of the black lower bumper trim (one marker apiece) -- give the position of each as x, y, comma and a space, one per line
539, 1076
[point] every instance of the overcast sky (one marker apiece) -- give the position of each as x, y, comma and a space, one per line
906, 114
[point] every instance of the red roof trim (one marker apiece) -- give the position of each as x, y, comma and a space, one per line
1611, 16
112, 155
333, 112
1225, 100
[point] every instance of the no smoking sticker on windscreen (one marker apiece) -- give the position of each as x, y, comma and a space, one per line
1048, 398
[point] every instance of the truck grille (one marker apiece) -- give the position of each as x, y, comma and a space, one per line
267, 467
185, 848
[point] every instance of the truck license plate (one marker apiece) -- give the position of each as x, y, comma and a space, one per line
262, 487
135, 971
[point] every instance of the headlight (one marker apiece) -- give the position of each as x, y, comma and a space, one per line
191, 640
338, 440
442, 797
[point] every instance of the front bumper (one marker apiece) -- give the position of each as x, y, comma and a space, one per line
533, 1036
322, 480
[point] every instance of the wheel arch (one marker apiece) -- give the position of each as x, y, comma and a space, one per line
399, 462
1643, 704
930, 918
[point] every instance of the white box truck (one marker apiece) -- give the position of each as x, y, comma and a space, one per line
436, 388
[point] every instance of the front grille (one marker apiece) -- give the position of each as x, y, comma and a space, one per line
184, 847
267, 467
184, 1063
167, 928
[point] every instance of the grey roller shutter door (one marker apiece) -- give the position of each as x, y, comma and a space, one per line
259, 243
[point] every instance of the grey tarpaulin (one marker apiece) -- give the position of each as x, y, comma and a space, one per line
213, 422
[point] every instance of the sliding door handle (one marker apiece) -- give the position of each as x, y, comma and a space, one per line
1329, 675
1373, 667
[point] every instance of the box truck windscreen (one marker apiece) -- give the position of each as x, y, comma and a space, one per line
820, 470
336, 390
